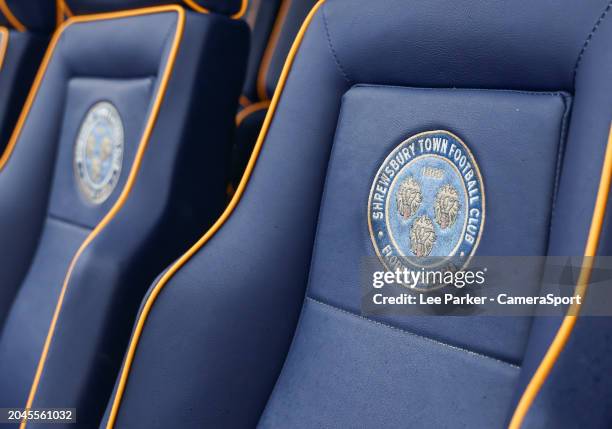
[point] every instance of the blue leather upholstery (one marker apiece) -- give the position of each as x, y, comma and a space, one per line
79, 7
339, 360
44, 220
220, 346
38, 16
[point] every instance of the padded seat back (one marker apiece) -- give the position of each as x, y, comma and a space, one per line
120, 159
519, 91
25, 26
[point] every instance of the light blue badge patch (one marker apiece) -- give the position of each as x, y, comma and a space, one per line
426, 207
98, 153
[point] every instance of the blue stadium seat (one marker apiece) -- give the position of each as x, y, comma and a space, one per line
120, 159
260, 323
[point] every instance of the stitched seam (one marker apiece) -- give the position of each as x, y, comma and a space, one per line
589, 38
65, 221
331, 47
422, 88
560, 157
324, 192
403, 331
166, 45
561, 154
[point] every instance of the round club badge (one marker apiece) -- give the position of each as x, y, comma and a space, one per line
98, 153
426, 208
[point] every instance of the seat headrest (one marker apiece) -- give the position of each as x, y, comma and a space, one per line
233, 8
29, 15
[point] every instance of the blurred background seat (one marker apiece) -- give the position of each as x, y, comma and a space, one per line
119, 162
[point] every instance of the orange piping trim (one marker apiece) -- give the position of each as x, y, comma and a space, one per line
244, 101
240, 117
135, 166
243, 8
262, 91
229, 190
569, 321
63, 12
59, 13
4, 37
148, 304
255, 107
67, 11
250, 16
12, 19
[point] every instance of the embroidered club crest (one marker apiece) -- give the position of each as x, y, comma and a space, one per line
98, 154
426, 207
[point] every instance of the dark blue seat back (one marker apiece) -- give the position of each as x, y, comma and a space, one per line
526, 85
24, 33
160, 86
